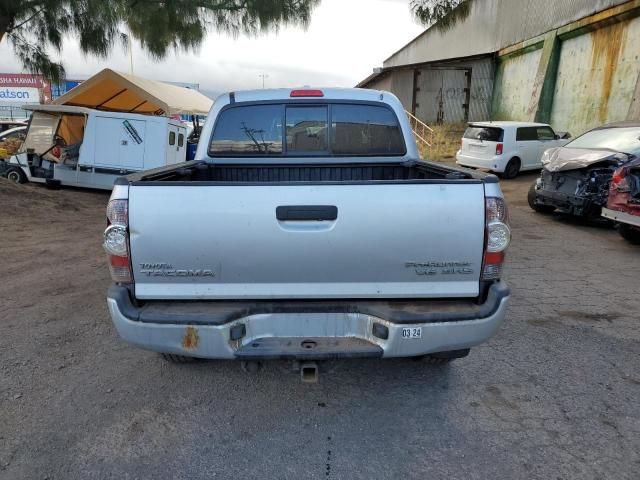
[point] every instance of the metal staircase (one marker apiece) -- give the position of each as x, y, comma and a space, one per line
423, 134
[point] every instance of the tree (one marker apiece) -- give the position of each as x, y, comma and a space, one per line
441, 13
34, 27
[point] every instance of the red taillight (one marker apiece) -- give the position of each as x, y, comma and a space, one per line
499, 149
116, 241
497, 238
306, 93
118, 261
618, 177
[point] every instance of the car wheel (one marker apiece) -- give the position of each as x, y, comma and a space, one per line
173, 358
531, 198
16, 175
53, 184
512, 169
630, 233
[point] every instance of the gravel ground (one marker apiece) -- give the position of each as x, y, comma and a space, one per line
554, 395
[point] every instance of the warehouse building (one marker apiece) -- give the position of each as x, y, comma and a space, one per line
572, 63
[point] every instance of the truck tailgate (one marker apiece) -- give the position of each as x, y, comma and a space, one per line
422, 240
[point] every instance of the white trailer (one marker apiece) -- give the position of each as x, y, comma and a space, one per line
84, 147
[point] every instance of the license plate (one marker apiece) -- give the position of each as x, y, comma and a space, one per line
412, 332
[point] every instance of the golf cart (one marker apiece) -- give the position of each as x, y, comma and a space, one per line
84, 147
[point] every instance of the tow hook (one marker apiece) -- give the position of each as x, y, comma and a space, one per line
309, 372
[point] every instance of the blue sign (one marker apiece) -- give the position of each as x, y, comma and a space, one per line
62, 88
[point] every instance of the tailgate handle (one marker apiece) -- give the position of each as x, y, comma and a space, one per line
307, 212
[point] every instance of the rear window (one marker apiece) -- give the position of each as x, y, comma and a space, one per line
248, 130
365, 130
307, 129
489, 134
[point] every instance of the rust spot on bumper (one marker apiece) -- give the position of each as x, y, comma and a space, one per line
190, 339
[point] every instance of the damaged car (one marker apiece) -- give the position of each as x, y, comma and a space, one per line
623, 203
575, 178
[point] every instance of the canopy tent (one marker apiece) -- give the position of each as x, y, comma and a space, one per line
119, 92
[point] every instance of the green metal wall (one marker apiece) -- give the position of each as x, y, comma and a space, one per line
514, 82
597, 74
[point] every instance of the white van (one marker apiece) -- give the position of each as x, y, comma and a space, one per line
507, 147
83, 147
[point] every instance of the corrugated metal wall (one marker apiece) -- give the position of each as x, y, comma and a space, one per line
381, 83
493, 25
596, 77
398, 82
442, 95
402, 87
519, 20
580, 76
482, 81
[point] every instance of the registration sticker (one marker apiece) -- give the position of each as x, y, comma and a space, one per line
412, 332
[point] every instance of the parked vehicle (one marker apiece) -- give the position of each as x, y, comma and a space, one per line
77, 146
10, 124
11, 140
307, 228
575, 178
623, 203
507, 148
14, 133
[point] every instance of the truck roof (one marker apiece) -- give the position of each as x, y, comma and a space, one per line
361, 94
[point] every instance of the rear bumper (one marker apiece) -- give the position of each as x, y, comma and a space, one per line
199, 333
621, 217
493, 163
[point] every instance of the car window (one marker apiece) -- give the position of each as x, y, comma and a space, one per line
355, 129
365, 130
172, 138
306, 129
622, 139
248, 130
525, 134
180, 139
545, 133
489, 134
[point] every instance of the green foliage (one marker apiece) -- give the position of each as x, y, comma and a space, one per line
34, 26
443, 14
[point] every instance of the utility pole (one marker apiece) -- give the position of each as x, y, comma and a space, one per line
130, 55
263, 76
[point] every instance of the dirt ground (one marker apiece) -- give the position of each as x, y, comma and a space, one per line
554, 395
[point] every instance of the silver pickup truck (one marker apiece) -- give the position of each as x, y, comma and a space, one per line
307, 228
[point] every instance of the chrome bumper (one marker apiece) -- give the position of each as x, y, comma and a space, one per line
215, 341
622, 217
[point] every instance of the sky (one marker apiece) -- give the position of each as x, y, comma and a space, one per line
345, 40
